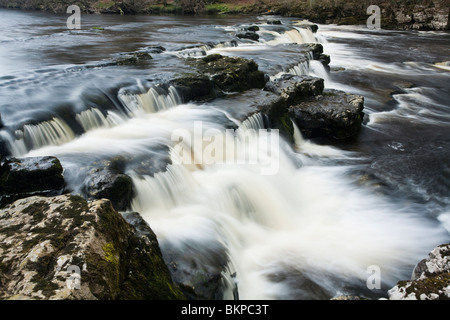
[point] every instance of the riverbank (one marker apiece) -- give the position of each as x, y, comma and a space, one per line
417, 15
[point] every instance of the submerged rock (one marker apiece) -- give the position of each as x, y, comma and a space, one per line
23, 177
334, 114
248, 35
430, 279
64, 247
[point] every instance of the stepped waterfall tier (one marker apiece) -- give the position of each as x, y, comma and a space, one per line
225, 157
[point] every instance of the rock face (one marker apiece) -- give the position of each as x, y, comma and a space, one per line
430, 279
23, 177
64, 247
333, 114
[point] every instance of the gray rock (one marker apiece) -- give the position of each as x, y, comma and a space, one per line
43, 240
294, 89
334, 114
430, 279
107, 181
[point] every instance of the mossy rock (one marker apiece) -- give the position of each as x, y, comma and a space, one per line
51, 234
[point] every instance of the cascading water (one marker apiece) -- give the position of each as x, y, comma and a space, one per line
148, 102
304, 232
291, 222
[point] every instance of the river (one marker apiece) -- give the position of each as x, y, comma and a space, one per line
314, 230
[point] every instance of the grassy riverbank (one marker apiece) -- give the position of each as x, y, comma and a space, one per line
396, 14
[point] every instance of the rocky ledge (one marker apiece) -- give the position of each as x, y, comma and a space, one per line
23, 177
64, 247
216, 75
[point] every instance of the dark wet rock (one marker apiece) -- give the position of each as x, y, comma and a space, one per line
30, 176
252, 28
248, 35
195, 87
202, 282
155, 49
430, 278
316, 50
132, 58
217, 76
334, 114
44, 239
109, 182
275, 22
325, 59
232, 74
4, 150
196, 269
313, 27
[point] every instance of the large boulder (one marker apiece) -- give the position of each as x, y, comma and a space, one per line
334, 114
430, 279
64, 247
23, 177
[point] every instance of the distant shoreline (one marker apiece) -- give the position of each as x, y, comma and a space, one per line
415, 15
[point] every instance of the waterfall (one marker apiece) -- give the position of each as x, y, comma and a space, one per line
296, 35
93, 118
317, 69
255, 121
149, 102
300, 233
202, 50
53, 132
301, 69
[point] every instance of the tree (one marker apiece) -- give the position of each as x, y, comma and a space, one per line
191, 6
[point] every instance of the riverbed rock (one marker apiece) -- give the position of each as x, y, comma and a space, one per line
333, 114
217, 76
198, 269
195, 87
64, 247
30, 176
430, 278
294, 89
231, 74
248, 35
108, 181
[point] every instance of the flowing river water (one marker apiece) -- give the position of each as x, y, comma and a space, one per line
313, 230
